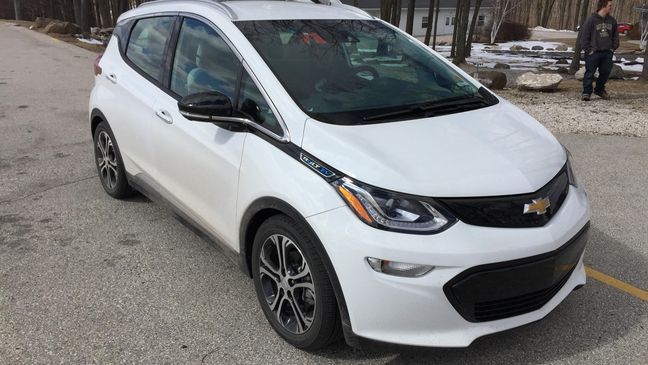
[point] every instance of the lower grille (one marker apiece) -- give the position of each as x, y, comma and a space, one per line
507, 289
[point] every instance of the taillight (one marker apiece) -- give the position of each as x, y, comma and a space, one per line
97, 68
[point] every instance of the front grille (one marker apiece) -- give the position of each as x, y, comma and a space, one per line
507, 211
507, 289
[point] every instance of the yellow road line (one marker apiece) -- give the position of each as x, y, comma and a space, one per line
606, 279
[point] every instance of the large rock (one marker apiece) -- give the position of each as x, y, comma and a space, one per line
502, 66
42, 22
580, 74
537, 48
539, 82
617, 72
562, 48
517, 47
62, 28
562, 61
492, 79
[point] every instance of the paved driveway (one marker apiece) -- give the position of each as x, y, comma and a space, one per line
85, 278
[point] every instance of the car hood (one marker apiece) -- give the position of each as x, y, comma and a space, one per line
499, 150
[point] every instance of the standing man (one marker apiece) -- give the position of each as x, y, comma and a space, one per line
598, 38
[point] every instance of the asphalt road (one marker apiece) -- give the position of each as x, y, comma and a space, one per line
85, 278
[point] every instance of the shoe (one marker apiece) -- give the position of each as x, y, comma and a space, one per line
586, 97
603, 94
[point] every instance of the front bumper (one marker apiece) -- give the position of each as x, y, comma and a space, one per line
417, 311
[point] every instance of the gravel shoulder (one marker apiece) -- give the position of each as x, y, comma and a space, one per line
625, 114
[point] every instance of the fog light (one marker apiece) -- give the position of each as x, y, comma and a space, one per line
398, 268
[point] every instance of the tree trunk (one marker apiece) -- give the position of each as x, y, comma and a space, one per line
18, 9
546, 12
397, 13
579, 4
644, 70
453, 48
436, 23
472, 28
428, 28
584, 11
462, 30
409, 25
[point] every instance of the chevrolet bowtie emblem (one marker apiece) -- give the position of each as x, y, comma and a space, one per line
538, 206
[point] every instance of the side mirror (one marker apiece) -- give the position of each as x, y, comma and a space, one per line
206, 107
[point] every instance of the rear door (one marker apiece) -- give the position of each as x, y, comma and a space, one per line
134, 73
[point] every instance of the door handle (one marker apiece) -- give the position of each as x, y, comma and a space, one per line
112, 78
165, 116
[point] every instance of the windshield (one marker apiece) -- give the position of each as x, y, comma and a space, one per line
350, 71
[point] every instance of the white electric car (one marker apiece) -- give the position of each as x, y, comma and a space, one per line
368, 186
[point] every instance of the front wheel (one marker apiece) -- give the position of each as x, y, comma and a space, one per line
292, 284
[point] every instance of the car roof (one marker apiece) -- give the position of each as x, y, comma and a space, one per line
269, 9
284, 10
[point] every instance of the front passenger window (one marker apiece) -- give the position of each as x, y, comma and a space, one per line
203, 62
254, 106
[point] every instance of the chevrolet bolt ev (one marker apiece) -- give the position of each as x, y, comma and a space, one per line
370, 188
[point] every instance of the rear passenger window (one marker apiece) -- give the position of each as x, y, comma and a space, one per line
203, 62
146, 44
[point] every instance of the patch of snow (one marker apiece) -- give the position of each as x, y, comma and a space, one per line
633, 68
89, 41
543, 29
640, 59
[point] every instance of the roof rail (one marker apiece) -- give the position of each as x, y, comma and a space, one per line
226, 9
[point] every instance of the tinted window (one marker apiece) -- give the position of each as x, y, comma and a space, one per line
146, 45
254, 106
203, 62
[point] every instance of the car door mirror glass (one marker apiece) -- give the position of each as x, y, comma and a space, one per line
206, 106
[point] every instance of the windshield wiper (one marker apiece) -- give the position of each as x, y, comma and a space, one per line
446, 105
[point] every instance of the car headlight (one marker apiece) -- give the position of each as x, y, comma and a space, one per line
393, 211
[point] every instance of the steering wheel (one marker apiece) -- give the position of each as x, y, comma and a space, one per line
364, 69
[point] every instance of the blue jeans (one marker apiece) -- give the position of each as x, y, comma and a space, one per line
601, 60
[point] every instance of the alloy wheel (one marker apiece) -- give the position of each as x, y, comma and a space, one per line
287, 283
107, 160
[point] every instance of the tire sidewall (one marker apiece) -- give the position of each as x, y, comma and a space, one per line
121, 188
306, 246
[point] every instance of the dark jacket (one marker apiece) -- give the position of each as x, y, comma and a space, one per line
598, 34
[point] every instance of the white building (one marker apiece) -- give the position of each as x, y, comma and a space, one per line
447, 11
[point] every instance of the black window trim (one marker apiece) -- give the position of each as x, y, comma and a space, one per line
171, 55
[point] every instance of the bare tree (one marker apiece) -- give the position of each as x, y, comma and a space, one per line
436, 23
501, 8
428, 28
471, 32
17, 9
409, 25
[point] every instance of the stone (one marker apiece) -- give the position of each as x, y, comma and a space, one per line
42, 22
617, 73
537, 48
501, 66
442, 44
550, 49
580, 74
492, 79
539, 82
562, 48
62, 28
562, 61
517, 47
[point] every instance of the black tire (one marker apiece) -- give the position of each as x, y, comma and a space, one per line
110, 166
325, 326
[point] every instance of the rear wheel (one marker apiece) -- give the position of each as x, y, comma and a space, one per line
109, 163
293, 286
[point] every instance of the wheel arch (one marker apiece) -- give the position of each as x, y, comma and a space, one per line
96, 117
258, 212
